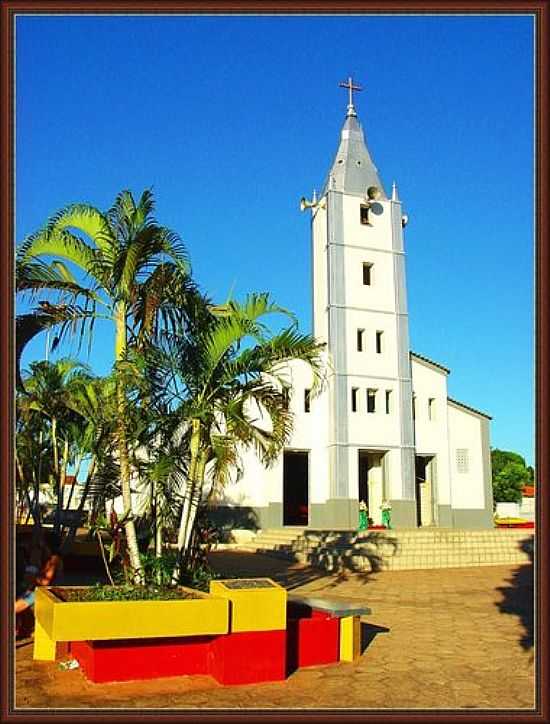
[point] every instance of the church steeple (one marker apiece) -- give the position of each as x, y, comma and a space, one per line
353, 170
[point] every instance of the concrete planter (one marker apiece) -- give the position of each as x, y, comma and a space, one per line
57, 620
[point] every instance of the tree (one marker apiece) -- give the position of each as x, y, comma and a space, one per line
510, 475
43, 413
133, 270
219, 385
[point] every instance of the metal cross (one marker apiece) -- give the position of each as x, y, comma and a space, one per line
351, 86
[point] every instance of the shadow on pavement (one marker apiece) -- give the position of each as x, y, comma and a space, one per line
341, 553
518, 597
368, 633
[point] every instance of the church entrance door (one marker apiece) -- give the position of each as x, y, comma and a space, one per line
295, 487
371, 482
424, 491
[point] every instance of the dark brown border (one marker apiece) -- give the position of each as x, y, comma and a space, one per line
539, 8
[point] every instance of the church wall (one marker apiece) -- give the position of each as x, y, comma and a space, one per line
378, 235
310, 431
380, 294
468, 489
373, 429
260, 490
259, 485
319, 274
432, 435
368, 361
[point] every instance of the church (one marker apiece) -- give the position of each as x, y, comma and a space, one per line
383, 429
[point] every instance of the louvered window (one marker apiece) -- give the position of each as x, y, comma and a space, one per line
462, 462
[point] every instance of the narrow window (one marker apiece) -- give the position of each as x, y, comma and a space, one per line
431, 408
462, 465
371, 400
367, 274
379, 342
354, 399
286, 397
307, 400
364, 215
414, 406
360, 340
388, 401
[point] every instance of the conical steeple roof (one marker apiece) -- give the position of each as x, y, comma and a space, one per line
353, 170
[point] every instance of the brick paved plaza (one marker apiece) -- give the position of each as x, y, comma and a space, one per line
442, 639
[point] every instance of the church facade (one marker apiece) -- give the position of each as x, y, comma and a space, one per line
383, 429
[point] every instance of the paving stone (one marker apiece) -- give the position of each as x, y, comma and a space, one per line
447, 646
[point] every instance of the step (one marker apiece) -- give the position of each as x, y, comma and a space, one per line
396, 550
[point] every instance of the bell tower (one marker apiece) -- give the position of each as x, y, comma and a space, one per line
360, 312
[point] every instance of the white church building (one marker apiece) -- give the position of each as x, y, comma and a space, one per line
384, 427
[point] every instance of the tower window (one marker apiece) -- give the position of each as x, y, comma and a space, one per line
379, 342
286, 397
367, 274
414, 406
360, 333
371, 400
364, 215
307, 400
431, 408
354, 391
388, 401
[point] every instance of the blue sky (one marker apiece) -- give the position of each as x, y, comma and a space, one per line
232, 119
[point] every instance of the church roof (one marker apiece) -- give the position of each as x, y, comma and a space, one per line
470, 409
353, 170
421, 358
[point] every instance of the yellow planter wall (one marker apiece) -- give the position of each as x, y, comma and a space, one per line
254, 609
99, 620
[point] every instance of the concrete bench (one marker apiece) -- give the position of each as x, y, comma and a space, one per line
349, 613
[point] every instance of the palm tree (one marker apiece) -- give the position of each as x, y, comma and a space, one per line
223, 380
133, 272
94, 442
43, 411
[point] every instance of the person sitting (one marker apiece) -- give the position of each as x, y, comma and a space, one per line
49, 571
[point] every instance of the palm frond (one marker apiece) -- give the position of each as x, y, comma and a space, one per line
164, 301
27, 326
57, 243
225, 464
87, 219
36, 275
257, 305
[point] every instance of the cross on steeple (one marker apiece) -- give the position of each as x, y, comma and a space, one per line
351, 86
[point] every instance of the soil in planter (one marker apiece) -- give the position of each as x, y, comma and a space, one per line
123, 593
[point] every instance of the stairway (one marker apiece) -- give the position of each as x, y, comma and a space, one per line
279, 542
404, 549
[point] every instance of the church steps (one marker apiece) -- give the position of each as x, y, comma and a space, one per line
408, 549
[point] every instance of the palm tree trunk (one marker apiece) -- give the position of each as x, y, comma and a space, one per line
188, 497
191, 478
55, 447
61, 485
21, 488
54, 478
158, 525
194, 503
124, 458
37, 518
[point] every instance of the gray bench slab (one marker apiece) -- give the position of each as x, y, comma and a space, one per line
337, 609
